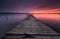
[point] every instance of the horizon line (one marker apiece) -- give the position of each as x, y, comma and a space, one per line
25, 13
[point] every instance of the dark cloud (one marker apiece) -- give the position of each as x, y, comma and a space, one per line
27, 4
49, 4
53, 3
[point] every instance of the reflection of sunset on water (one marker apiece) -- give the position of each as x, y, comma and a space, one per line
48, 16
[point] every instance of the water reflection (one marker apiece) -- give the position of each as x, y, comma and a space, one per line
48, 16
6, 21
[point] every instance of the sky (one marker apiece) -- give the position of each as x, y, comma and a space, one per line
30, 6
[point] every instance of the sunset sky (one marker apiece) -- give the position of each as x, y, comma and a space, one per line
30, 6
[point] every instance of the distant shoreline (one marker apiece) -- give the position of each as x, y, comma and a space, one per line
25, 13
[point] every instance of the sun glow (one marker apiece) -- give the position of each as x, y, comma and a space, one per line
44, 14
46, 11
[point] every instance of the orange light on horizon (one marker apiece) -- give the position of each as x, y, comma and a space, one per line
46, 11
44, 14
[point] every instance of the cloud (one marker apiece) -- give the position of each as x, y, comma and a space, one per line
21, 5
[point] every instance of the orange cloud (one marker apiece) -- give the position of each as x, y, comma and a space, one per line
46, 11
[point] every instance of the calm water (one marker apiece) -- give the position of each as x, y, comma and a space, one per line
52, 17
6, 19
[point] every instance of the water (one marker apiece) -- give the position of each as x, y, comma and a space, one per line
51, 20
48, 17
7, 19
